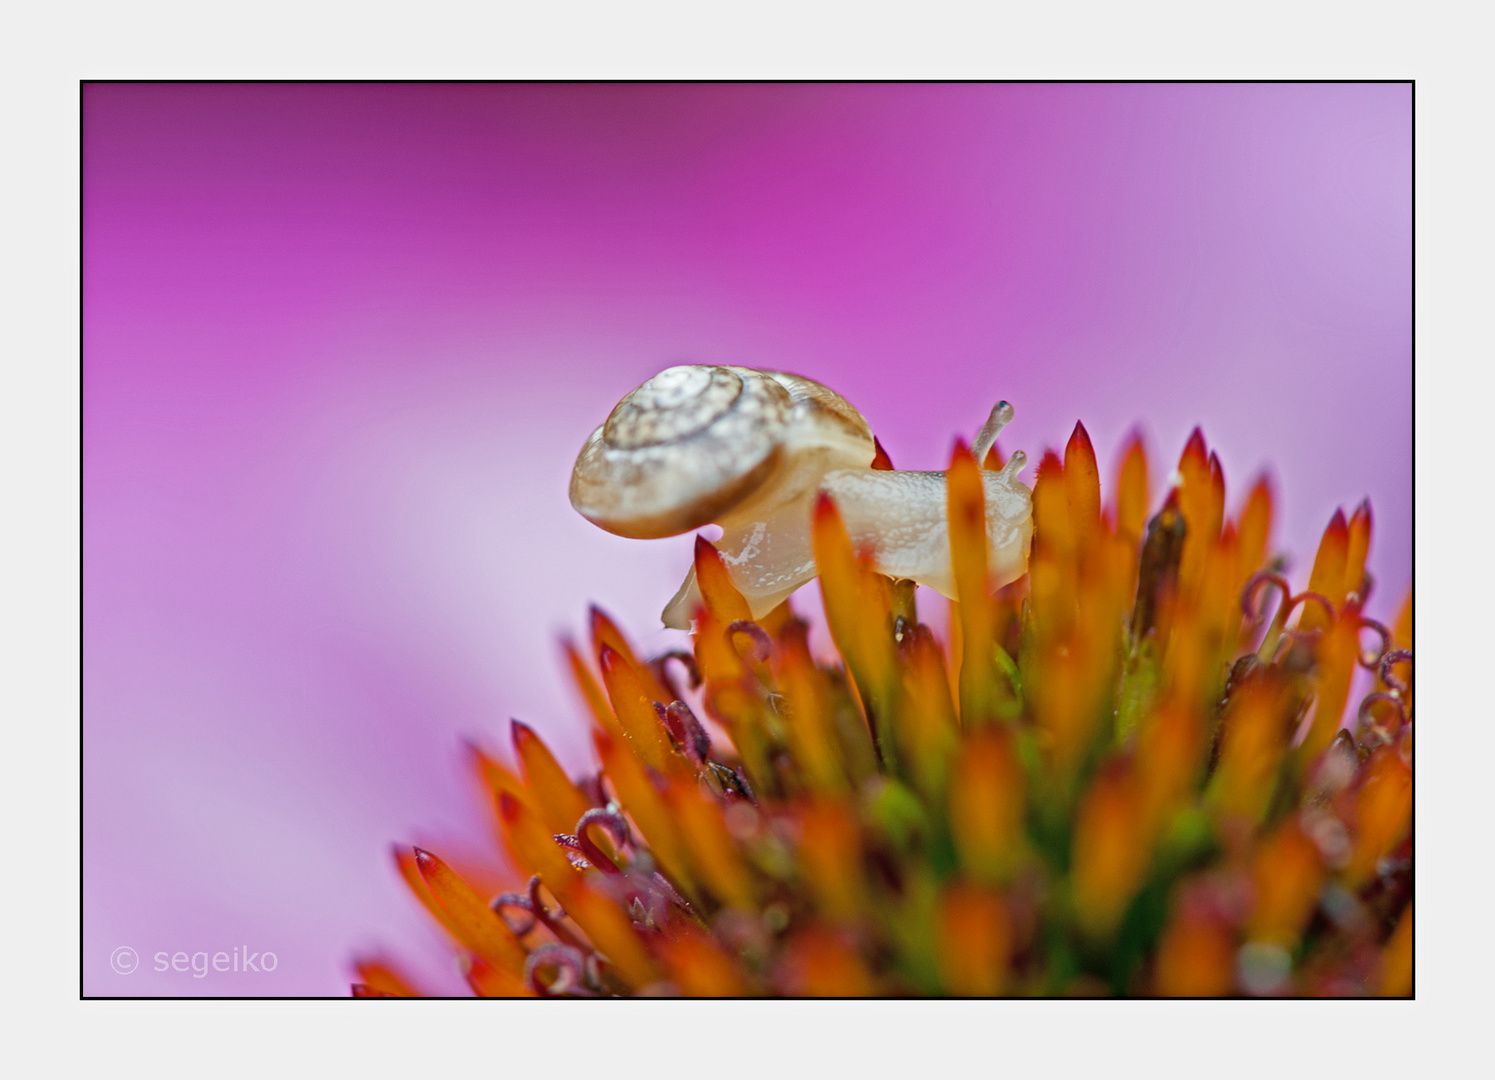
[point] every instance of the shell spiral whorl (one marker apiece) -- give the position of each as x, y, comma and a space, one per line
677, 450
674, 405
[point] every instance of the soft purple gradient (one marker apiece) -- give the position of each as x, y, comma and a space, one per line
343, 342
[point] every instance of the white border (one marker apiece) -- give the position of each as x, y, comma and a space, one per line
48, 49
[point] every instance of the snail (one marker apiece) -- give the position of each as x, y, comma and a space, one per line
750, 450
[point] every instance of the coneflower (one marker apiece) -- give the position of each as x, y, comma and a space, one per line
1132, 771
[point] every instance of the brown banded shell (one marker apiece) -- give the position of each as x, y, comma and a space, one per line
684, 447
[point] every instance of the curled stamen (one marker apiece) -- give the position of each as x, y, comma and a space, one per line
568, 965
504, 902
1321, 600
617, 830
1274, 633
572, 846
551, 920
1372, 661
762, 643
1279, 619
591, 787
1367, 720
1390, 660
660, 667
1248, 594
1361, 594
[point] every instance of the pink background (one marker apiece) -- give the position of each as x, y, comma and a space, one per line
342, 344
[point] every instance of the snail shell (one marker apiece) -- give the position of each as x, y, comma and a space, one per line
750, 450
696, 444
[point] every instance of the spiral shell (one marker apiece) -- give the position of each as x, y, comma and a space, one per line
695, 442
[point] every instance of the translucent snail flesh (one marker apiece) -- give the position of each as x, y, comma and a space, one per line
750, 451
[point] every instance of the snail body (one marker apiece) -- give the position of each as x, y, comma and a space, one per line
750, 451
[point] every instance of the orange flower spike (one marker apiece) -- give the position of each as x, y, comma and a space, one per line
777, 621
1401, 630
994, 459
1132, 490
966, 509
1051, 593
1185, 661
477, 926
830, 858
611, 931
973, 941
1218, 602
1065, 702
1110, 854
928, 733
498, 781
1051, 525
497, 777
488, 981
1051, 574
987, 804
810, 727
1120, 552
716, 658
1252, 740
382, 980
1287, 873
535, 845
1196, 501
633, 703
1216, 520
646, 806
860, 630
880, 459
1196, 957
1337, 654
560, 801
1082, 483
1169, 753
606, 632
879, 650
1396, 960
1328, 574
1383, 813
821, 963
713, 852
363, 990
1356, 550
840, 578
717, 589
698, 967
405, 860
586, 682
1254, 529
